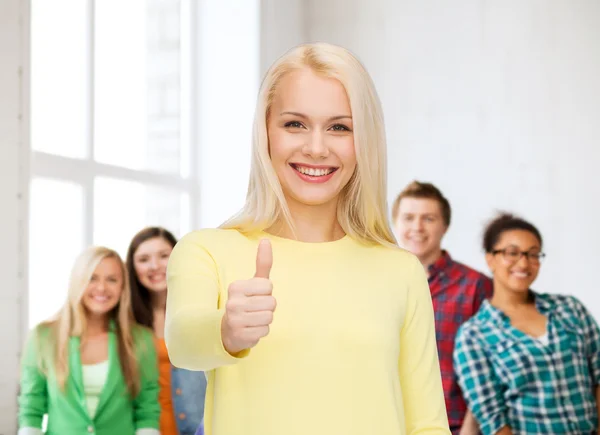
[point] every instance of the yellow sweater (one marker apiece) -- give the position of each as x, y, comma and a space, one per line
351, 350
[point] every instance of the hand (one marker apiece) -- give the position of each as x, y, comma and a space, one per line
250, 305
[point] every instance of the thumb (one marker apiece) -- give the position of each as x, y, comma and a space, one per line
264, 259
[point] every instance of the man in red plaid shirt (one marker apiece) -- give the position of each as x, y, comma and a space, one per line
421, 217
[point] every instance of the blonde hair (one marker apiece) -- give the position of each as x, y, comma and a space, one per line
362, 208
71, 321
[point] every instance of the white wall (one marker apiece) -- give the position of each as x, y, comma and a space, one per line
282, 26
13, 169
498, 103
228, 49
236, 41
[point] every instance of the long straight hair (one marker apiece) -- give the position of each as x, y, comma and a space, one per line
141, 302
362, 207
71, 321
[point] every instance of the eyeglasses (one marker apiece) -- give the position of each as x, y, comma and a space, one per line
513, 255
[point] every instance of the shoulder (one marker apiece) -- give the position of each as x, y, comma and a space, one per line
143, 337
211, 237
474, 329
206, 245
469, 272
394, 256
561, 302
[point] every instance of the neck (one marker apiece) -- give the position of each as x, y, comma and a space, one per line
96, 325
507, 301
158, 300
430, 258
312, 224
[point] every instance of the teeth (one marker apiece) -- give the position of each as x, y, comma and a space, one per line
521, 274
313, 172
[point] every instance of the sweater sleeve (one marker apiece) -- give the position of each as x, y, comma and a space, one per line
193, 319
418, 365
33, 396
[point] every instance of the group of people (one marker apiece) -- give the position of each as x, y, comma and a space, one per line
305, 313
513, 361
101, 366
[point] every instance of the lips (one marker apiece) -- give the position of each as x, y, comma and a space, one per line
313, 171
100, 299
157, 278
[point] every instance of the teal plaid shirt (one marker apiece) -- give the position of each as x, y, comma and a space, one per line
510, 378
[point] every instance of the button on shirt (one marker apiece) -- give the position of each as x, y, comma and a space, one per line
510, 378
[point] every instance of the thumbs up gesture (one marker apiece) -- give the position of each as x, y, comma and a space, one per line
250, 305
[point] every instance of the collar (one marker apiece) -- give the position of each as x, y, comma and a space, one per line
496, 316
443, 263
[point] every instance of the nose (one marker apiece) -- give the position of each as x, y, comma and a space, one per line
523, 260
417, 224
153, 264
316, 147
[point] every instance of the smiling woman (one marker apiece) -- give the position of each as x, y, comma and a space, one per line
84, 367
528, 362
181, 394
305, 287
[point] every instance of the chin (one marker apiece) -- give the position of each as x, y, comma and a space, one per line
157, 288
520, 288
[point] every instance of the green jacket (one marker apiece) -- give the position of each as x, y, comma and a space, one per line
116, 414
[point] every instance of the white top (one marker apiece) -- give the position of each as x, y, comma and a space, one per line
544, 339
94, 378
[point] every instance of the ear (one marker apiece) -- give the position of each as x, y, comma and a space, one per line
490, 259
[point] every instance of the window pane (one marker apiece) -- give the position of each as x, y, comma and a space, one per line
59, 77
122, 208
137, 79
56, 237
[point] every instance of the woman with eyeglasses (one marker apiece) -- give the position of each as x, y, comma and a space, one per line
527, 362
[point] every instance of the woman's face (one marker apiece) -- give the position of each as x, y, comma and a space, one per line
311, 140
150, 261
515, 260
104, 289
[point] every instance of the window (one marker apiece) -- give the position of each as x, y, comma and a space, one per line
109, 132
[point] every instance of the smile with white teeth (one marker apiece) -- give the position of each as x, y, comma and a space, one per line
99, 298
313, 172
521, 274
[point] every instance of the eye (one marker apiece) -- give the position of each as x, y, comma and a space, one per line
512, 253
93, 278
340, 127
293, 124
430, 219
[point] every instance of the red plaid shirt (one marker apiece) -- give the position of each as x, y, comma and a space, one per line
457, 292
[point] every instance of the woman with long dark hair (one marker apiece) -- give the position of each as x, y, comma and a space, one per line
182, 392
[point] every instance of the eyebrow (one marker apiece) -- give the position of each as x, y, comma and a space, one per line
301, 115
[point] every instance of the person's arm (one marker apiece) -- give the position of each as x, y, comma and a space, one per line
480, 385
591, 336
418, 365
469, 426
483, 290
33, 396
146, 409
193, 320
598, 405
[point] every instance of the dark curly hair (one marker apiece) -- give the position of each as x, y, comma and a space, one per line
506, 222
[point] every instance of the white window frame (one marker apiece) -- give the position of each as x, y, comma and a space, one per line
83, 171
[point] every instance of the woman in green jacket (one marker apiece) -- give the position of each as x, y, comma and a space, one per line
91, 369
